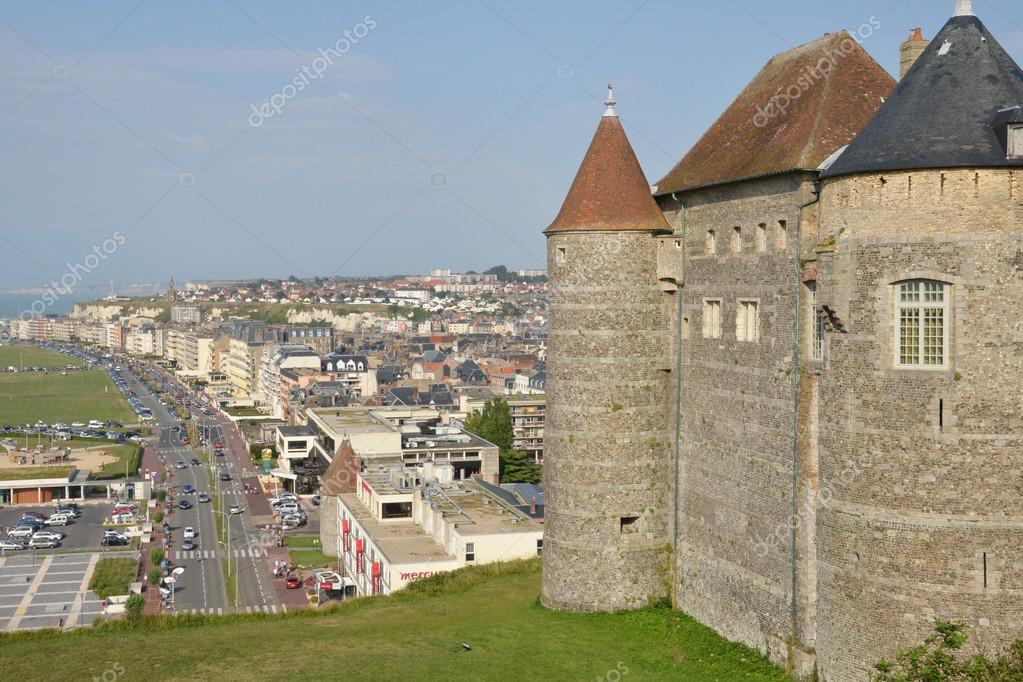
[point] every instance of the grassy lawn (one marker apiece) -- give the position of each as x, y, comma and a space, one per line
129, 456
77, 396
29, 356
29, 473
311, 559
416, 634
112, 576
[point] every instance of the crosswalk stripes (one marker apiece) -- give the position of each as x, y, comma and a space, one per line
243, 553
265, 608
207, 611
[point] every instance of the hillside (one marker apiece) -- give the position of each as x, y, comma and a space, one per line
415, 635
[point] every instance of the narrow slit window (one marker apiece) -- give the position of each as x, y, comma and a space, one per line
562, 255
761, 237
736, 240
783, 235
712, 243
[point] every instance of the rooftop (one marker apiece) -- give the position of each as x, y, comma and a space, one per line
840, 88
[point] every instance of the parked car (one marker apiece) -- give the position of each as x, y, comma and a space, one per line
59, 520
43, 543
51, 534
113, 541
12, 546
21, 532
293, 582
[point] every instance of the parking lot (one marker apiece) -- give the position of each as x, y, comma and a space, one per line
84, 533
40, 591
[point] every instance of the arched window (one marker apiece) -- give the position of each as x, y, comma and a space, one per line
922, 324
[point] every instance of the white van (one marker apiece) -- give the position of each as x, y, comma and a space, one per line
96, 424
58, 520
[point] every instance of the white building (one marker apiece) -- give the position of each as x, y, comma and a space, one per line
402, 525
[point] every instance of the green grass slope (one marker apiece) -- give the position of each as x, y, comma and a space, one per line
414, 635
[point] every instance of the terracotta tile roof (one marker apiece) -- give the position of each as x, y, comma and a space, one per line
755, 137
610, 191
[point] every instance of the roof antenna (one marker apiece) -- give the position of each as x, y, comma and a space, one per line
964, 8
610, 101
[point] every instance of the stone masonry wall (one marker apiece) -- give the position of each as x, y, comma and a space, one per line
607, 441
735, 557
921, 514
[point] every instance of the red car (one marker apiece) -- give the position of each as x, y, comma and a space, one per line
218, 444
294, 582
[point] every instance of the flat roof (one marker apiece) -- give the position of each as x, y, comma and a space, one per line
402, 542
295, 431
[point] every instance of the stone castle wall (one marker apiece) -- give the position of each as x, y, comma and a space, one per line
735, 554
923, 515
606, 440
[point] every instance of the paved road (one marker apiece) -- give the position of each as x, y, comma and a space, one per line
247, 546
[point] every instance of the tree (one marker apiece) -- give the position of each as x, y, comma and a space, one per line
134, 607
494, 424
936, 659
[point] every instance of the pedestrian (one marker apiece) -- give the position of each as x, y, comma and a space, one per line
60, 624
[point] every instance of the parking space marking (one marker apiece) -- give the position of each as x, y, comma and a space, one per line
27, 599
76, 605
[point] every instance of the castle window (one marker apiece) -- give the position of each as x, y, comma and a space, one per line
783, 236
816, 325
747, 321
761, 237
1016, 141
629, 524
712, 318
736, 239
922, 308
562, 256
712, 243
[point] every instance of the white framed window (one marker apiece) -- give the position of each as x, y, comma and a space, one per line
711, 243
1016, 141
470, 551
922, 324
712, 318
747, 321
816, 325
736, 240
761, 237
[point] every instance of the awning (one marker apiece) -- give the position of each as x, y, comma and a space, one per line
281, 473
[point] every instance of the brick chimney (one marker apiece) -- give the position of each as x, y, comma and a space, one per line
911, 50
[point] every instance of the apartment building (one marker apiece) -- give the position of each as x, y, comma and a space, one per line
275, 360
354, 372
401, 525
528, 413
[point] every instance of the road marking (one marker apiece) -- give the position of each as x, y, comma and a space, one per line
76, 605
27, 599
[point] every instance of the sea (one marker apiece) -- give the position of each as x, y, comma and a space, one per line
11, 305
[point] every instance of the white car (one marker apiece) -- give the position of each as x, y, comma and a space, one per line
189, 533
58, 520
285, 509
43, 543
49, 535
78, 425
21, 532
234, 509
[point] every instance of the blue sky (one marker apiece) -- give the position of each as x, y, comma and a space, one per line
447, 133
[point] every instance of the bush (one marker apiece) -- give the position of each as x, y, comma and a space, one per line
156, 556
936, 659
161, 495
135, 607
153, 575
158, 517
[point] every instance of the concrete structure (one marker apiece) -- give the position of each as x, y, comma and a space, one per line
528, 413
838, 412
354, 372
186, 314
276, 359
402, 525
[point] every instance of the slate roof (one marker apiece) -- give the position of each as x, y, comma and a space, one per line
753, 137
610, 191
949, 111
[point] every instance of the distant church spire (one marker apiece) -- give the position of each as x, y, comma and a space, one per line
610, 101
172, 292
964, 8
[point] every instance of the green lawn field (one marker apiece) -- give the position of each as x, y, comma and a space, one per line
414, 635
29, 356
76, 396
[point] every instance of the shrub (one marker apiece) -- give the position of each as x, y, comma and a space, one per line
156, 556
135, 607
936, 659
153, 576
158, 517
161, 495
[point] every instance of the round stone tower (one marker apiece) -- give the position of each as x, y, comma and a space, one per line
607, 436
921, 433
